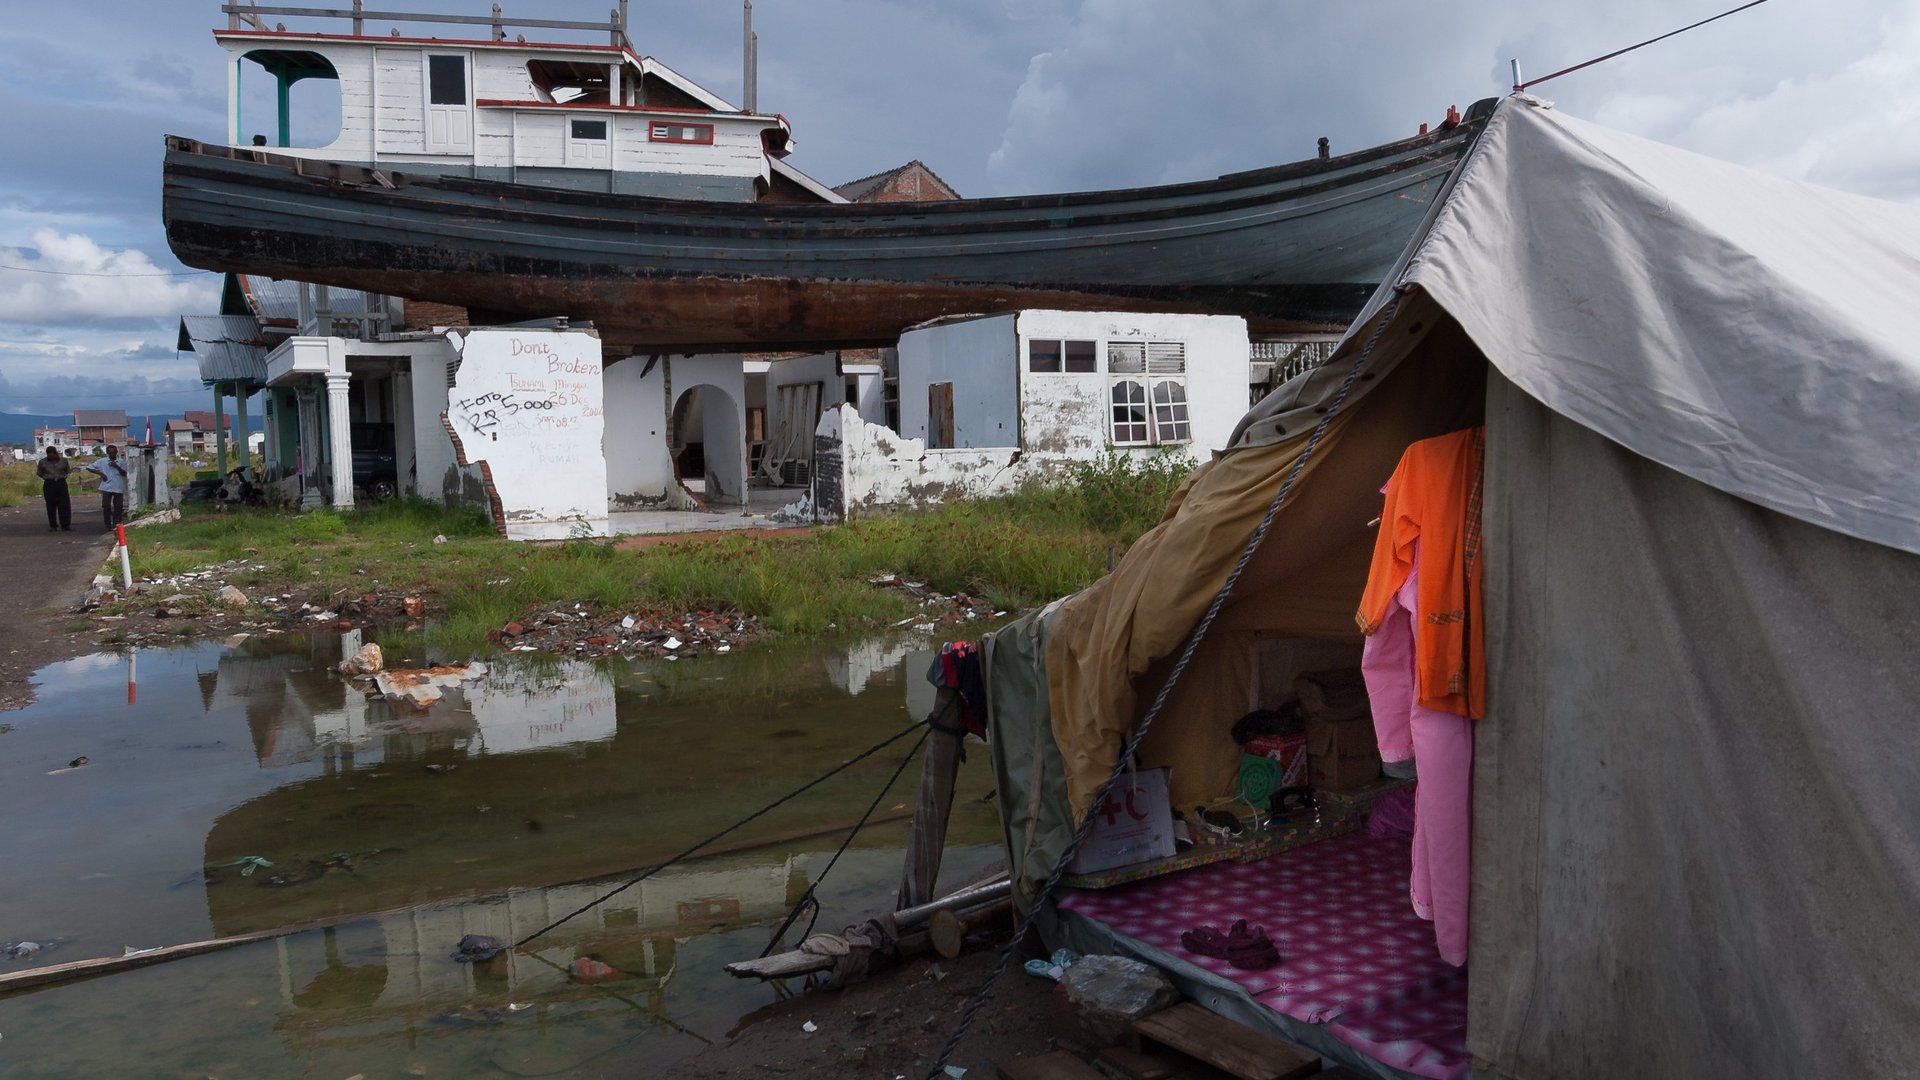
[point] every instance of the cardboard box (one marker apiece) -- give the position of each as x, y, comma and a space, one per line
1342, 751
1343, 754
1135, 825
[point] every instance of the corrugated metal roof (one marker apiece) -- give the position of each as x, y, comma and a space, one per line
230, 348
275, 299
109, 418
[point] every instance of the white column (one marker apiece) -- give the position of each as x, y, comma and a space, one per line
220, 430
240, 392
233, 101
405, 443
340, 440
270, 422
309, 421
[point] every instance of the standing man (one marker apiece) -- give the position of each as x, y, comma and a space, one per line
52, 471
113, 486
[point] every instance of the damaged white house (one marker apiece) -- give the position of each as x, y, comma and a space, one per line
987, 403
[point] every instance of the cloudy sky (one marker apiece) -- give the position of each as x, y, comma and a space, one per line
997, 96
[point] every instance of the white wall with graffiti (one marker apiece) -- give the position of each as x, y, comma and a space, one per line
525, 408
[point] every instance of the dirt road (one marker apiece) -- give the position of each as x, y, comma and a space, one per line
43, 576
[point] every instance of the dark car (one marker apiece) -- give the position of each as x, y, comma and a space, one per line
376, 472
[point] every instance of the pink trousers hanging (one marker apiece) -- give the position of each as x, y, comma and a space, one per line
1441, 744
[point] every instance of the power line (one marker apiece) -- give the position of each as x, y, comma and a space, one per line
1630, 48
88, 273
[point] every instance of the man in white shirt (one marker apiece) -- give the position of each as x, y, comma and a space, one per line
113, 486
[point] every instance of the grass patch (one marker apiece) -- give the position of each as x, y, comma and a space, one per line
1016, 551
18, 484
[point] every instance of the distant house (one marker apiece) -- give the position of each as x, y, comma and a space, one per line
194, 431
99, 427
64, 439
912, 182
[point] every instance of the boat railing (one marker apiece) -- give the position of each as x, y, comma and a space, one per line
253, 15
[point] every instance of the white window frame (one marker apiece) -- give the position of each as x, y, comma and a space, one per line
1093, 356
1152, 376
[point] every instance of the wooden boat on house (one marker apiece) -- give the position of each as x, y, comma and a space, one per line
522, 181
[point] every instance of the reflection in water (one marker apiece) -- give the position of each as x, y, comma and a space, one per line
298, 708
408, 831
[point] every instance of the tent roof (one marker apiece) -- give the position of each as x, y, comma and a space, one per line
1750, 332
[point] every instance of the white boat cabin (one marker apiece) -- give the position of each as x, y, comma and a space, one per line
596, 117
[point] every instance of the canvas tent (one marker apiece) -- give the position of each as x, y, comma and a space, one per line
1696, 818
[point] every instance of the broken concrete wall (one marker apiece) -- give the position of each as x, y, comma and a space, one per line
860, 467
640, 472
721, 423
526, 406
440, 472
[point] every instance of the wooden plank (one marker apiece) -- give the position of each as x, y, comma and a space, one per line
1057, 1065
106, 965
1233, 1048
1140, 1065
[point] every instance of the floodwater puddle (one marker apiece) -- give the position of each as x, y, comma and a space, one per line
227, 791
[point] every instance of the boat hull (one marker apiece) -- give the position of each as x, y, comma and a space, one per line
1291, 249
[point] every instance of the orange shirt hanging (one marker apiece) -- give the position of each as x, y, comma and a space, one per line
1434, 498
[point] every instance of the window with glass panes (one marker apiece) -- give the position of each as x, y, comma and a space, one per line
1053, 356
1147, 381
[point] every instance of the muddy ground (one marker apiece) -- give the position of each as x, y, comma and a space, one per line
43, 575
890, 1026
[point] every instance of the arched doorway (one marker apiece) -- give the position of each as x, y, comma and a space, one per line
708, 445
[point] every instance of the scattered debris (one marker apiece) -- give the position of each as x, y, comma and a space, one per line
161, 518
440, 539
587, 969
1099, 998
1054, 966
420, 688
478, 949
809, 1027
249, 863
413, 606
584, 633
233, 599
367, 661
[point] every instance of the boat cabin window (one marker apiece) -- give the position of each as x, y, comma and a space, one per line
665, 131
1071, 357
589, 129
298, 106
446, 80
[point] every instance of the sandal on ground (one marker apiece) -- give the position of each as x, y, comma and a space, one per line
1250, 950
1205, 941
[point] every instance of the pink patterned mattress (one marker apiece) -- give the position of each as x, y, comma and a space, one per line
1352, 952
